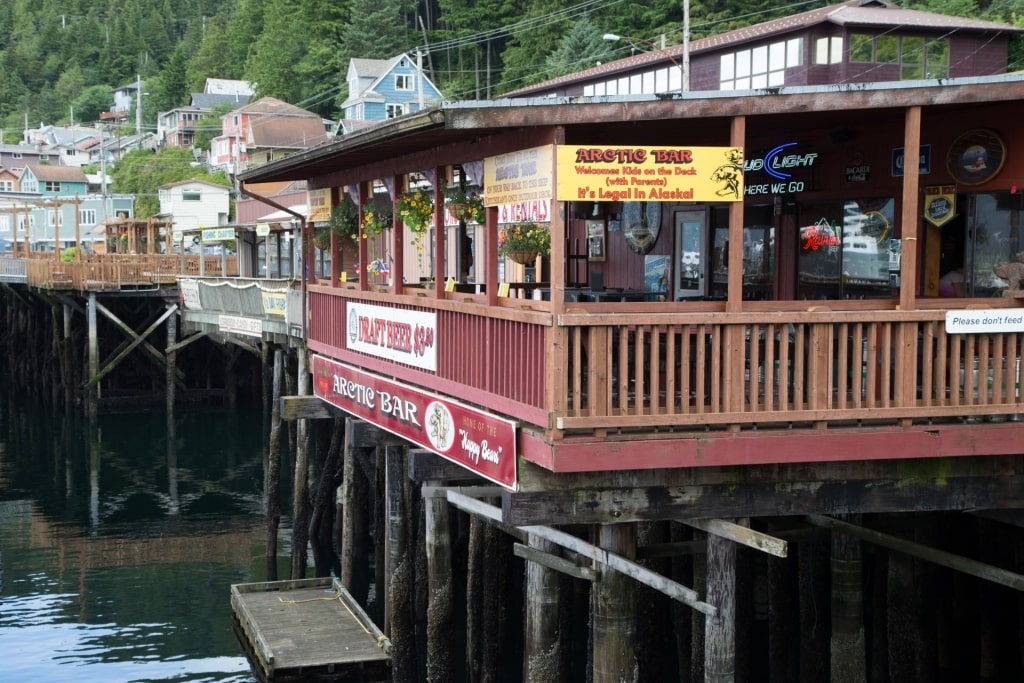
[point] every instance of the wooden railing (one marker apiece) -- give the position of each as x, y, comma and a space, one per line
113, 272
677, 370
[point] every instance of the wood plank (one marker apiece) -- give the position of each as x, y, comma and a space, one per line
559, 564
757, 540
626, 504
305, 629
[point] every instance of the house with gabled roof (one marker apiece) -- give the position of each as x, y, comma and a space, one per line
858, 41
262, 131
54, 181
16, 157
381, 89
195, 203
176, 128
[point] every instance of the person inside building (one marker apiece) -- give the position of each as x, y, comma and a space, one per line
952, 283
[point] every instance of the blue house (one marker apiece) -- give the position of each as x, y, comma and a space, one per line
381, 89
54, 181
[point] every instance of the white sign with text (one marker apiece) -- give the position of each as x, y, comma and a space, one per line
985, 321
399, 335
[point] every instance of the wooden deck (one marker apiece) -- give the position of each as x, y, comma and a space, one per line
308, 630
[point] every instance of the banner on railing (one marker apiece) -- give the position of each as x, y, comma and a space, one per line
398, 334
480, 442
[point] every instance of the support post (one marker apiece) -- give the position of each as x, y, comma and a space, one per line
720, 638
542, 653
440, 610
613, 610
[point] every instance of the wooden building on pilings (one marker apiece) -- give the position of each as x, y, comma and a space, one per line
784, 375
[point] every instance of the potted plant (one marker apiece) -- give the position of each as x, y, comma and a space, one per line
465, 204
344, 221
374, 221
415, 209
523, 242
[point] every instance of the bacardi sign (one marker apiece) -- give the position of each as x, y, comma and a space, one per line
478, 441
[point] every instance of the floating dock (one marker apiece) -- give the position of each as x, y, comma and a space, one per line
308, 630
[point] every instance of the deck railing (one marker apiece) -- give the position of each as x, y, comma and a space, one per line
677, 370
112, 272
702, 370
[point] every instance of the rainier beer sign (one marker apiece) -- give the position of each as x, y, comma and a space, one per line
476, 440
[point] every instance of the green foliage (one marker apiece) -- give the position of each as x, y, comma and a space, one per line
68, 255
141, 172
583, 46
92, 101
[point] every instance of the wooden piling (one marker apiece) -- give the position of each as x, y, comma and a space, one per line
613, 610
848, 660
440, 609
172, 361
542, 651
474, 599
92, 398
274, 469
720, 637
814, 598
783, 619
300, 480
354, 519
399, 568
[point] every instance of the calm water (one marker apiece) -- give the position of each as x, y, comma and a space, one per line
118, 547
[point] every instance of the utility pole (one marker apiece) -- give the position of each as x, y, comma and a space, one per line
685, 85
138, 108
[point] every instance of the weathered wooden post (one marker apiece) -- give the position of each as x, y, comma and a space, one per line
300, 480
440, 609
720, 637
354, 518
848, 645
94, 359
613, 610
172, 361
542, 652
274, 469
398, 570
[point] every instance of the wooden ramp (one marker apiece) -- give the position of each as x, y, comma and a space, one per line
308, 630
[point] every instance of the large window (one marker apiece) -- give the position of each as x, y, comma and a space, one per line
917, 57
846, 250
828, 50
760, 67
403, 82
758, 252
393, 110
51, 186
87, 216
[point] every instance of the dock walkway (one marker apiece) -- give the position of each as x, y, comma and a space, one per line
308, 630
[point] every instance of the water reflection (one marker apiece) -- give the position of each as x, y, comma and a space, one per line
118, 545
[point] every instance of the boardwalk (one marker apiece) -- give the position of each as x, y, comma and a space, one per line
308, 630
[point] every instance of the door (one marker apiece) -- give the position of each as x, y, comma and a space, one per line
691, 254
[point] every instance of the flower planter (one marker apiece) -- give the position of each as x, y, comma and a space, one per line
523, 256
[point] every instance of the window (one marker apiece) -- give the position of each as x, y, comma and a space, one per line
44, 157
917, 57
191, 196
761, 67
87, 217
69, 152
393, 110
51, 186
404, 82
16, 155
51, 217
6, 186
828, 50
843, 250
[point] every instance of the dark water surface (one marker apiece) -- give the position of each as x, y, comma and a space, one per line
118, 545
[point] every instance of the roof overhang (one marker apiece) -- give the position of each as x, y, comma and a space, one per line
419, 136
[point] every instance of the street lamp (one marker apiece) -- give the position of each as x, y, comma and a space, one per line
684, 67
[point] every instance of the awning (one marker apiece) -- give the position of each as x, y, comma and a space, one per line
283, 216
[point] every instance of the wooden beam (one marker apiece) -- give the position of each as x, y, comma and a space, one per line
186, 341
559, 564
674, 590
771, 499
934, 555
426, 466
742, 535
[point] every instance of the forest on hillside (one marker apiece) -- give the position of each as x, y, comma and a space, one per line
60, 59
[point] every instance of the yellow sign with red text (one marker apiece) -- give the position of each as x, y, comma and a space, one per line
649, 174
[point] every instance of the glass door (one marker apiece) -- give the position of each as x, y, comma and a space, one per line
690, 256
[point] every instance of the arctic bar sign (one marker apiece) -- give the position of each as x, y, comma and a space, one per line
478, 441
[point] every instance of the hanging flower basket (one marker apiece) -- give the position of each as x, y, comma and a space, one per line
523, 242
524, 256
465, 204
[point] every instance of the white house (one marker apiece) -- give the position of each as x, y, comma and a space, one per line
191, 204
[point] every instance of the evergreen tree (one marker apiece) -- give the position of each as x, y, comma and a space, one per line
582, 47
275, 53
